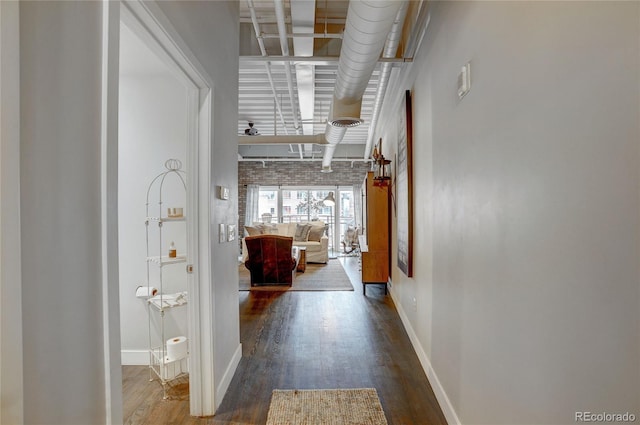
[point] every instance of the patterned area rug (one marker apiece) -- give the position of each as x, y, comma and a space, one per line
317, 277
326, 407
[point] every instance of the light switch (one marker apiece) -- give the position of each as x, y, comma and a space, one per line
222, 233
464, 80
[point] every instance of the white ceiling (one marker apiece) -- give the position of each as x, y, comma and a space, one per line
256, 100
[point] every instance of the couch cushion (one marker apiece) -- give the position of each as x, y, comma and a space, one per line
287, 229
316, 232
252, 230
311, 246
302, 232
265, 228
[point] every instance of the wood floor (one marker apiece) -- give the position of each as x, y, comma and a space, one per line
304, 340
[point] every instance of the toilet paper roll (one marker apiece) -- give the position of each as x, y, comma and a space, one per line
146, 291
176, 348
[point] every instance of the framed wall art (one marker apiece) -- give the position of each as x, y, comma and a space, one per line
404, 188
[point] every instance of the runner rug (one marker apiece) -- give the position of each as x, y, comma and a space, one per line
326, 407
317, 277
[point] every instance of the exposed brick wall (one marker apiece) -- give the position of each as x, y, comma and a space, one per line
294, 173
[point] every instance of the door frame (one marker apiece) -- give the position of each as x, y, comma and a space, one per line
153, 27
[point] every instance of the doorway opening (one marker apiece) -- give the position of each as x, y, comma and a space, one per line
164, 115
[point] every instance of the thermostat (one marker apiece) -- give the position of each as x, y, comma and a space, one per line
223, 192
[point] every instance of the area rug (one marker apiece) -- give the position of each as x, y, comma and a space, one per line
326, 407
317, 277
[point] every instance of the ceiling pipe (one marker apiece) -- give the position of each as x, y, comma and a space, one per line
316, 60
390, 50
368, 25
304, 35
303, 17
263, 51
264, 160
316, 139
284, 45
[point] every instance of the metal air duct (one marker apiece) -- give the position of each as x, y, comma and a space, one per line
366, 30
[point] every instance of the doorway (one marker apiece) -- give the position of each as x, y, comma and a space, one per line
165, 114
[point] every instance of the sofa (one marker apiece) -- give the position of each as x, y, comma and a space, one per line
310, 235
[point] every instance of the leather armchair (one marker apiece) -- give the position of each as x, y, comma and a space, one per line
271, 259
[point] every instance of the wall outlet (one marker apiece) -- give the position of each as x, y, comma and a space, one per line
231, 232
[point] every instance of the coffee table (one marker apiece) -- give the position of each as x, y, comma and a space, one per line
302, 261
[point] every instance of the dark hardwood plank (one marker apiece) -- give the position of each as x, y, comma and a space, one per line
305, 340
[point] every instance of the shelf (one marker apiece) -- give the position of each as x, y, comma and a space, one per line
166, 301
165, 260
166, 369
166, 219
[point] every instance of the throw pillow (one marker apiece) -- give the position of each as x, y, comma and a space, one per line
302, 232
315, 233
253, 231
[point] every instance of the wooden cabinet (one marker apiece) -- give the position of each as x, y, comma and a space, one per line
376, 242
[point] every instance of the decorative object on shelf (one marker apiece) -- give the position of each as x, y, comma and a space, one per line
172, 250
404, 189
174, 212
381, 166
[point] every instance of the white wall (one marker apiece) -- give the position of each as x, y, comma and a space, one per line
527, 229
60, 60
11, 371
152, 129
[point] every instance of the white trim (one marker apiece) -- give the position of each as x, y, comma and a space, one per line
150, 23
206, 404
11, 351
135, 358
109, 212
445, 404
228, 375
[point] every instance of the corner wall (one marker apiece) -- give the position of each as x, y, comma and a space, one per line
527, 210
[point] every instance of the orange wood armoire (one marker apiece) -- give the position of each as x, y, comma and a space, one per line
375, 244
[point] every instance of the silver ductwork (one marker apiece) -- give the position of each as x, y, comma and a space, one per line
390, 50
367, 27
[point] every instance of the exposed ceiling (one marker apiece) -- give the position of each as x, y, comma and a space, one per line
299, 103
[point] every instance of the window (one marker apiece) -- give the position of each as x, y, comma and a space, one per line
306, 204
268, 203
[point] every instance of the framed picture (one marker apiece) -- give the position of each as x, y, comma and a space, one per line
404, 188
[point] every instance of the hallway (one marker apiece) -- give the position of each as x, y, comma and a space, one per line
310, 340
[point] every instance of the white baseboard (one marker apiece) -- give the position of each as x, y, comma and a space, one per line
228, 376
135, 357
445, 404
